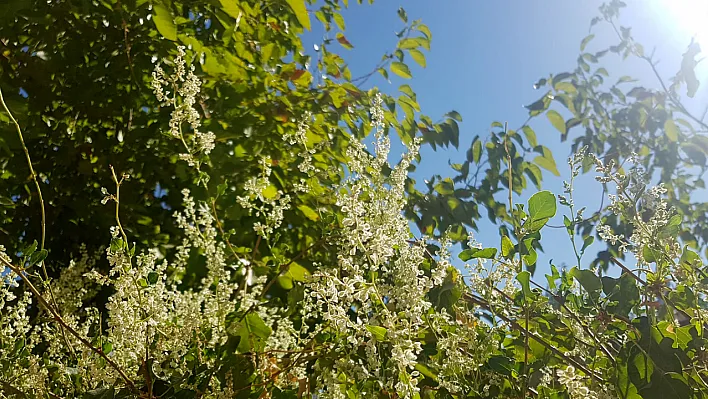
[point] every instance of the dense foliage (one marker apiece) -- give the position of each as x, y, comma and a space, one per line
195, 205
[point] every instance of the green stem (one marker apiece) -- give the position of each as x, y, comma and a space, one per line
33, 174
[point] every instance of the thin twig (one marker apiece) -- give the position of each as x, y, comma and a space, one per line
559, 354
63, 323
221, 229
577, 319
117, 199
33, 174
626, 270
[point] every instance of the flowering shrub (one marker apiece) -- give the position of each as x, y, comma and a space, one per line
369, 307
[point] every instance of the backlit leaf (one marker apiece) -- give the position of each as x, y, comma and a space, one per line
556, 120
164, 21
344, 42
298, 6
542, 205
418, 57
401, 70
671, 130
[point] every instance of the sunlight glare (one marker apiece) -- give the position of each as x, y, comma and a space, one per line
690, 17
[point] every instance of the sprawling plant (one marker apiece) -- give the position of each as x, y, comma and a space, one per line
296, 271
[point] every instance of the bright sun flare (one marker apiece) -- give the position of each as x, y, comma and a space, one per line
690, 18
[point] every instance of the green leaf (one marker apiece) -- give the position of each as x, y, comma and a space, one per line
406, 89
339, 20
423, 369
418, 57
383, 73
344, 42
425, 30
589, 280
164, 21
547, 162
402, 15
221, 189
532, 256
534, 173
286, 282
486, 253
502, 365
230, 7
585, 41
298, 6
649, 254
309, 212
671, 130
625, 386
107, 347
297, 272
507, 247
644, 366
38, 257
253, 332
688, 72
542, 205
557, 121
152, 278
270, 192
29, 250
587, 242
566, 87
689, 258
377, 332
4, 201
571, 123
409, 43
117, 244
530, 136
476, 151
401, 69
524, 278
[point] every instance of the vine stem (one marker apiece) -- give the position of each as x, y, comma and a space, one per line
33, 174
577, 319
527, 333
117, 199
67, 327
524, 387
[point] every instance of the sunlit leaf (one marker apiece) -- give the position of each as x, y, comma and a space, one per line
542, 205
344, 42
164, 21
671, 130
401, 70
298, 6
418, 57
556, 120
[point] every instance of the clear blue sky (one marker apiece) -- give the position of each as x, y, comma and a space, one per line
485, 57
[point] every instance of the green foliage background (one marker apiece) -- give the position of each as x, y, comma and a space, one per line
85, 68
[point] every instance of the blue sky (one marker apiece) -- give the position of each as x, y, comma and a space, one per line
485, 57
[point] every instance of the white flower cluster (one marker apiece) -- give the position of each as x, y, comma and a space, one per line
376, 294
179, 91
576, 388
644, 208
265, 200
147, 314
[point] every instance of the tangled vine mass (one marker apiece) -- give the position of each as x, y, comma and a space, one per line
194, 205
